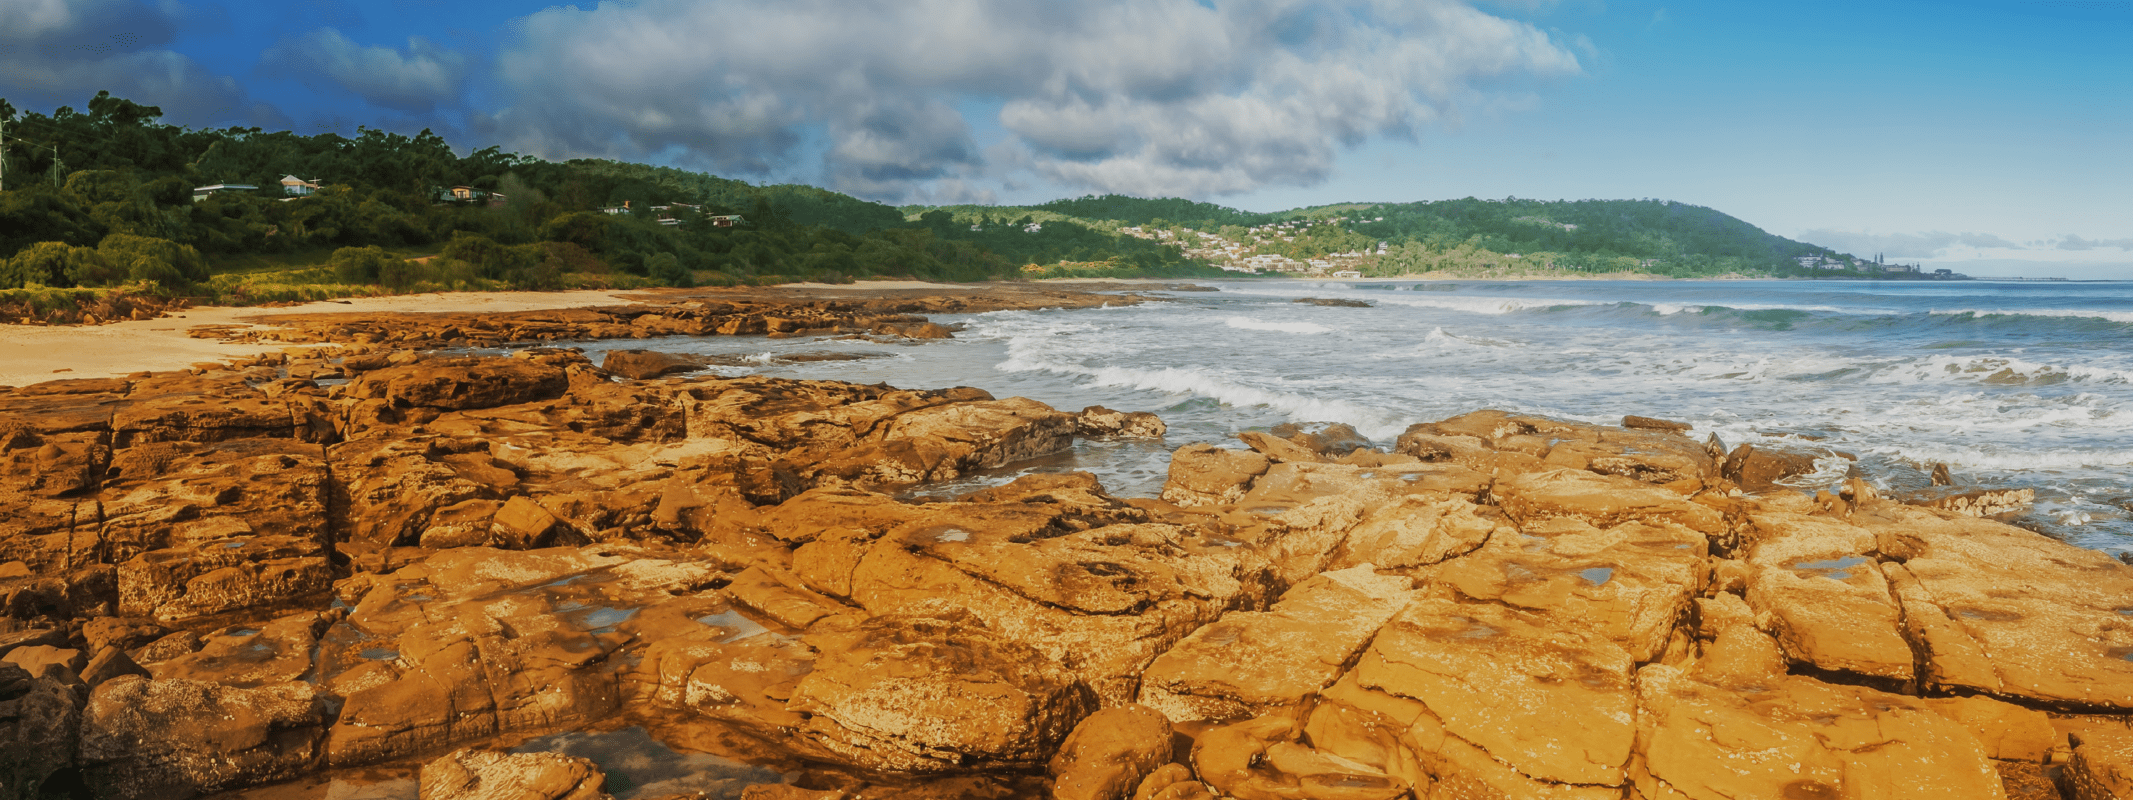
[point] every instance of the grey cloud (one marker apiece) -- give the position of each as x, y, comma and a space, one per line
61, 52
1138, 96
416, 80
2072, 242
1902, 245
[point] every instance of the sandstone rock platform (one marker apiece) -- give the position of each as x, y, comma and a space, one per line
235, 577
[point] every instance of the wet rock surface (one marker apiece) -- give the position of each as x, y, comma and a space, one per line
236, 578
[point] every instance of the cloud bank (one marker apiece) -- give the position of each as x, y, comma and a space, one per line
55, 52
1903, 245
931, 98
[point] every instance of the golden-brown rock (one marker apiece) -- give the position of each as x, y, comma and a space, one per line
1110, 753
1251, 663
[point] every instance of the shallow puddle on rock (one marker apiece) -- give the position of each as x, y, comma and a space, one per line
1597, 576
639, 766
603, 619
952, 535
1838, 569
378, 654
741, 627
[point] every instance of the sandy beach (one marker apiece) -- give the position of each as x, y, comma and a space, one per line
30, 354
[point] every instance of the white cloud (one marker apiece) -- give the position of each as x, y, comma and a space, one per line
1140, 96
416, 80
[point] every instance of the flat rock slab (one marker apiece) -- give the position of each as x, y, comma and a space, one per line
1254, 662
1795, 737
1554, 705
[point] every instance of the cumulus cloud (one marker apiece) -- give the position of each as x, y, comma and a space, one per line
416, 80
1136, 96
61, 52
1903, 245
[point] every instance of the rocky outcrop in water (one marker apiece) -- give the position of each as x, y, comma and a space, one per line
237, 577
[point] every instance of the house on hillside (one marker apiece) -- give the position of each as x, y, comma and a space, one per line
725, 220
204, 191
293, 186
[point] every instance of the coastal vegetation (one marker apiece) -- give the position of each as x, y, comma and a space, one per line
113, 197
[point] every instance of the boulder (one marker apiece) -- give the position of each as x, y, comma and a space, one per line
1110, 753
1654, 424
928, 694
40, 718
489, 775
167, 738
213, 577
1203, 474
176, 407
1759, 469
1100, 421
1259, 759
2101, 767
645, 364
461, 383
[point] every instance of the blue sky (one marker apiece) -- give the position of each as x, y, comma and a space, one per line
1995, 137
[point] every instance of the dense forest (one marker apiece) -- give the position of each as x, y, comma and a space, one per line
111, 195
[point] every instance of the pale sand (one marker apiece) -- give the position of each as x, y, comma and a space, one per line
30, 354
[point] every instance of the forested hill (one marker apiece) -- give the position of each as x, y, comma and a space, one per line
1652, 236
111, 195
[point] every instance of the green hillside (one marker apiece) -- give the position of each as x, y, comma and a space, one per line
1465, 236
112, 196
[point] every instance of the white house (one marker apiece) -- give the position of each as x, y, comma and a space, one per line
204, 191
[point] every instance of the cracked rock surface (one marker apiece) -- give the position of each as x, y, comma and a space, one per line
235, 577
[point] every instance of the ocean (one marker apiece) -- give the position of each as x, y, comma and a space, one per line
2008, 384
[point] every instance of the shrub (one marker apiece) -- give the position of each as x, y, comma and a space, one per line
56, 264
146, 258
361, 264
666, 269
494, 261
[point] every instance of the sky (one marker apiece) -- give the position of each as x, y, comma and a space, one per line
1995, 138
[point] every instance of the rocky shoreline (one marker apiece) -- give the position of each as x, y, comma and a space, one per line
235, 576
